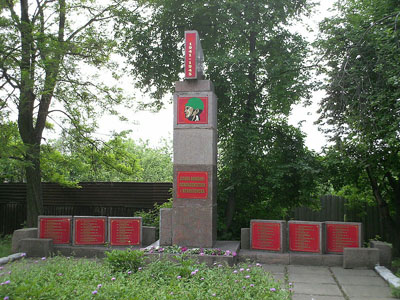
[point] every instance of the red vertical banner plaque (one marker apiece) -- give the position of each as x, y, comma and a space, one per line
192, 110
192, 185
305, 237
89, 230
125, 231
339, 236
56, 228
190, 55
266, 236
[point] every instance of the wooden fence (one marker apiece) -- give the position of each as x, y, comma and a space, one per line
92, 199
335, 208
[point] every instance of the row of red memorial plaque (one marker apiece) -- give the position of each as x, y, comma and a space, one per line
80, 231
301, 236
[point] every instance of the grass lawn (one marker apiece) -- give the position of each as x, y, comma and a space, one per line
68, 278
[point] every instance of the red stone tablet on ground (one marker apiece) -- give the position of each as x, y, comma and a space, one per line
57, 228
305, 236
266, 235
341, 235
89, 230
125, 231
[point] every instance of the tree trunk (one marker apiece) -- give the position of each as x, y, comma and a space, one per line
34, 197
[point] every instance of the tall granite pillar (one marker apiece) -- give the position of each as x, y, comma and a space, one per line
194, 212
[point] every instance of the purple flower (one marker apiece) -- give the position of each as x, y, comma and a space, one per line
6, 282
1, 268
94, 292
140, 268
23, 254
241, 269
234, 254
99, 285
236, 280
171, 293
258, 265
184, 249
248, 270
219, 266
247, 276
9, 272
252, 285
36, 261
113, 279
272, 289
214, 295
290, 283
179, 276
129, 272
6, 298
201, 254
43, 258
235, 271
60, 274
291, 290
202, 278
244, 287
193, 273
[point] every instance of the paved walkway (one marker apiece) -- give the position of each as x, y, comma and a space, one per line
331, 283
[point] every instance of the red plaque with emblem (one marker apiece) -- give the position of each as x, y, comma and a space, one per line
305, 237
56, 228
125, 231
192, 185
266, 236
89, 231
190, 55
339, 236
192, 110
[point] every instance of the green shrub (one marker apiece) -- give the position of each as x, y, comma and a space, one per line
124, 260
5, 245
152, 217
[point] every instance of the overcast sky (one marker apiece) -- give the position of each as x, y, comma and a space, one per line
156, 126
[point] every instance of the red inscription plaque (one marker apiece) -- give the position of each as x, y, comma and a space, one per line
57, 229
124, 232
90, 231
339, 236
266, 236
304, 237
192, 110
192, 185
190, 55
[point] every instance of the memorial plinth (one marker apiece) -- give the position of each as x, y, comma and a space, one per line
57, 228
268, 235
340, 235
193, 221
306, 237
89, 230
124, 231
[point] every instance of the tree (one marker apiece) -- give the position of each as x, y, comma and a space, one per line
44, 46
258, 68
362, 107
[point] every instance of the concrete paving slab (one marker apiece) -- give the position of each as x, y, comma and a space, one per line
311, 278
324, 289
367, 292
353, 272
315, 297
361, 280
279, 277
364, 298
294, 269
276, 269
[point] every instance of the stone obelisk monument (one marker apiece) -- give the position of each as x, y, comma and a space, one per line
192, 222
